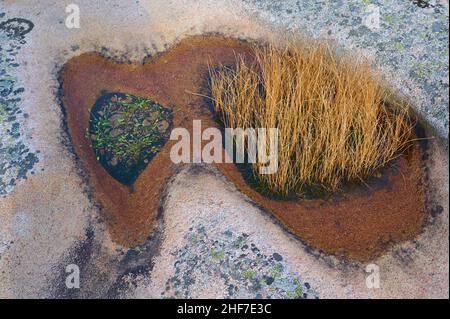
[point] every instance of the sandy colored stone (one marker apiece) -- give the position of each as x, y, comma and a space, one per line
49, 220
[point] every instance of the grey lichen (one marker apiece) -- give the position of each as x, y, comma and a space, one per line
232, 261
16, 159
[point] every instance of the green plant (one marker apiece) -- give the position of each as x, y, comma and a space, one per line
247, 274
127, 128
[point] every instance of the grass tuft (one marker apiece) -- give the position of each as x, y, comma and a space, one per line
336, 123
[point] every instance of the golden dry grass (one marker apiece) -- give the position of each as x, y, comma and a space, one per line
336, 122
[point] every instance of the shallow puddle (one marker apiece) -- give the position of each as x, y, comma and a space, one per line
358, 225
126, 132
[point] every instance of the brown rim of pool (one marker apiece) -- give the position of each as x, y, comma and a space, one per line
358, 224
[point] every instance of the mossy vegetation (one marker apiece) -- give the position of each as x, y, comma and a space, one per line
217, 255
126, 132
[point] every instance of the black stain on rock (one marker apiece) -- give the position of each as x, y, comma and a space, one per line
422, 3
269, 280
277, 257
436, 210
16, 27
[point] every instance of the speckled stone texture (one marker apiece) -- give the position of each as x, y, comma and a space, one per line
236, 261
16, 159
210, 240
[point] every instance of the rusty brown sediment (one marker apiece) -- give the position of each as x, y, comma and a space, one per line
359, 225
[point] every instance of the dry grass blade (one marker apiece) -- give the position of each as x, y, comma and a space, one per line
334, 120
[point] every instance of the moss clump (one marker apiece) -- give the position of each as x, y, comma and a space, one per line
218, 255
126, 132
